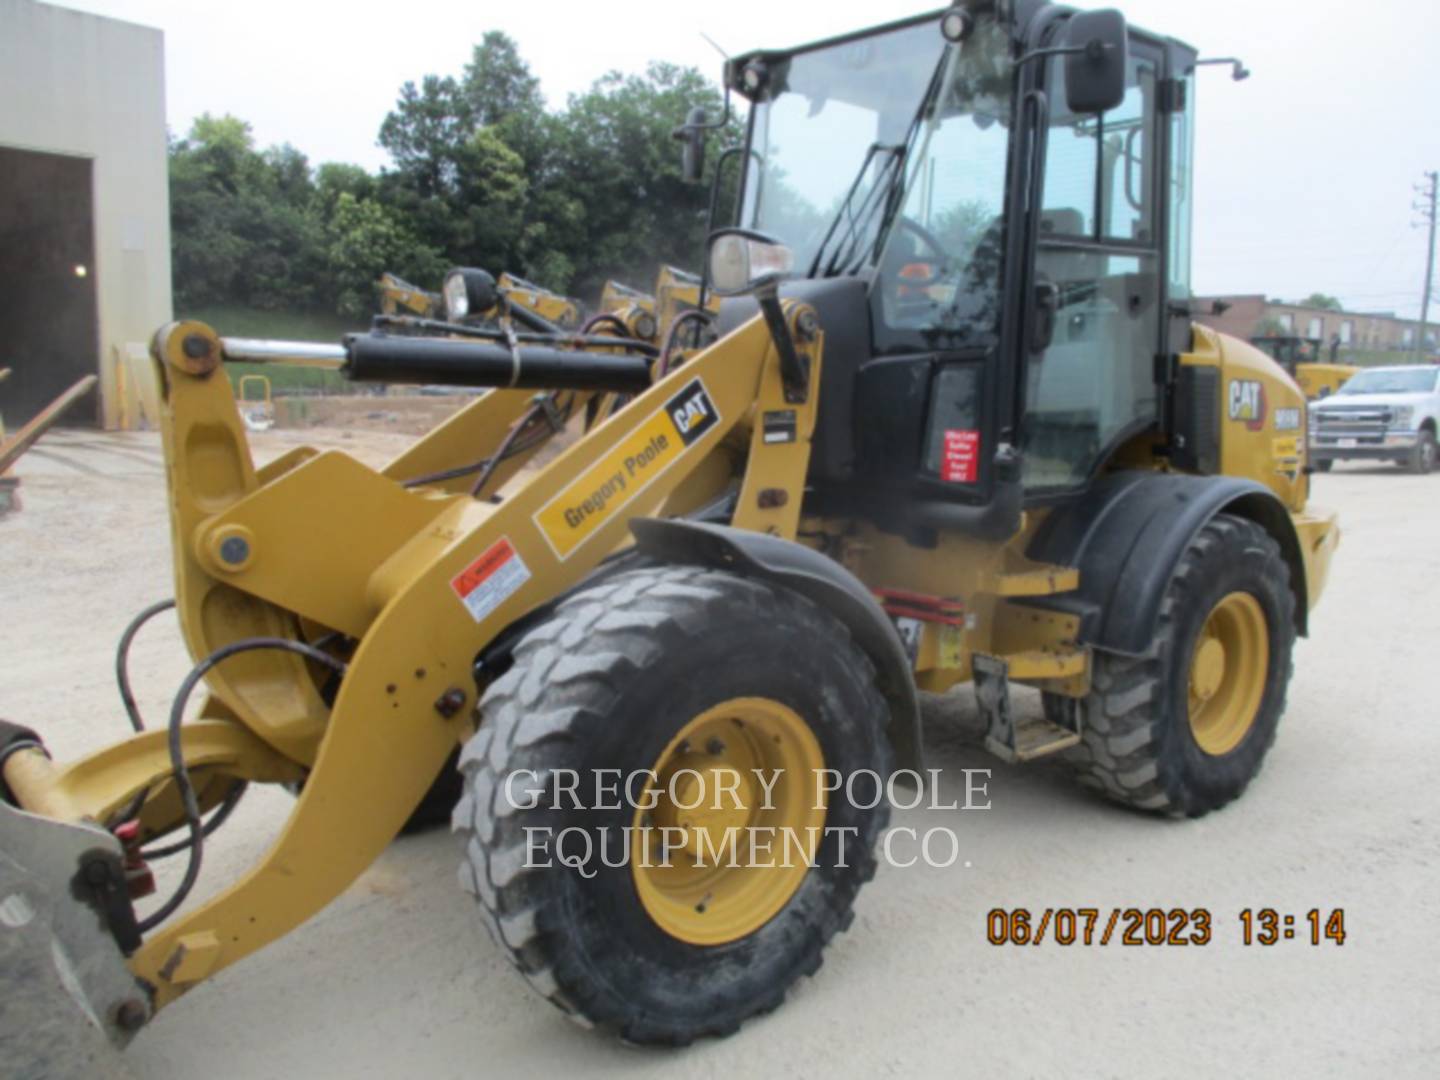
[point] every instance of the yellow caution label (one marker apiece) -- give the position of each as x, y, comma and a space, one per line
1287, 446
601, 491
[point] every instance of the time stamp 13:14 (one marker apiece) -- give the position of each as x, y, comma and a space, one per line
1158, 926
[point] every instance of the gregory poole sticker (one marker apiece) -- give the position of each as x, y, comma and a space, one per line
491, 579
594, 497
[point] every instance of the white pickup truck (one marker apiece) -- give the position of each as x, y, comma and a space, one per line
1385, 414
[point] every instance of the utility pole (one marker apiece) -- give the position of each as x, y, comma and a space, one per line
1426, 206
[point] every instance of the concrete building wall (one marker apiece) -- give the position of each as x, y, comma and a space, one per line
94, 87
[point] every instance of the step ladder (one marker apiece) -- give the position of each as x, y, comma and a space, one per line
1034, 737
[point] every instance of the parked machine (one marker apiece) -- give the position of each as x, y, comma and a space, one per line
400, 299
955, 426
1303, 360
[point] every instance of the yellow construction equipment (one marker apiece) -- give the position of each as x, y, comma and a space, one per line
1301, 359
954, 425
398, 298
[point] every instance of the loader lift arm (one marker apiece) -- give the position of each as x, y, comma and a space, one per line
380, 562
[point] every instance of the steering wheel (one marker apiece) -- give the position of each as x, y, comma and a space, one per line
937, 265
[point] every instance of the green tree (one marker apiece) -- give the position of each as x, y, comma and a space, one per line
482, 174
241, 220
364, 239
334, 179
497, 84
424, 132
617, 159
1320, 300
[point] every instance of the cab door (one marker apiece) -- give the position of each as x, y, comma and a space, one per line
1091, 381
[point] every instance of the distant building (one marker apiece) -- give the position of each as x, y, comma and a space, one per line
84, 205
1247, 316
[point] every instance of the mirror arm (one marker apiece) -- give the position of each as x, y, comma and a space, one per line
1238, 71
680, 131
1064, 50
715, 181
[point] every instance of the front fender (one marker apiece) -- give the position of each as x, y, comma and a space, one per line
817, 578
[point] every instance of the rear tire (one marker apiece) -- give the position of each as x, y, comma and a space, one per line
609, 683
1145, 742
1322, 464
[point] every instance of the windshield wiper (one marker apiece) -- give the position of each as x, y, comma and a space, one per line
883, 197
856, 221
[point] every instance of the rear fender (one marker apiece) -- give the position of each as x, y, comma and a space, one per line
1127, 536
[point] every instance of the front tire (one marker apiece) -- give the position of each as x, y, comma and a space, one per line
1184, 729
660, 668
1422, 458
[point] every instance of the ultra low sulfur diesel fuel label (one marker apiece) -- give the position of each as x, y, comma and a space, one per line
597, 494
491, 579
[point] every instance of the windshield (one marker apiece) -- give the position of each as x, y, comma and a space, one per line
833, 125
1395, 381
890, 154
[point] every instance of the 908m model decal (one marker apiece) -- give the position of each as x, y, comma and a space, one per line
592, 498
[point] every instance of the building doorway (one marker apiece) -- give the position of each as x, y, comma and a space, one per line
49, 315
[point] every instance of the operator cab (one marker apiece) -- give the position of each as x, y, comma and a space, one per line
1000, 259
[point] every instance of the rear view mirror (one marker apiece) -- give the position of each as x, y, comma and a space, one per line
1095, 70
691, 136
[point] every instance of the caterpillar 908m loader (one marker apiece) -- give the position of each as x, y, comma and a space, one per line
956, 424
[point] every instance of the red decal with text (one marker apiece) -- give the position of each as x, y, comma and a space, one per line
491, 579
961, 462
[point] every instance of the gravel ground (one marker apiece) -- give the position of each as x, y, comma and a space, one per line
398, 977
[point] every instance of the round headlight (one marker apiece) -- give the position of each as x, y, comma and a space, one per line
643, 325
955, 25
468, 292
754, 76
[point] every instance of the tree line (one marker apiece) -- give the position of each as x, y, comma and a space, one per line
483, 174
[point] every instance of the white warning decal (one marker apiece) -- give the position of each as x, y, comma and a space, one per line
491, 579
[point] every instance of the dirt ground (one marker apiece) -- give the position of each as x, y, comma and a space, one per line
397, 977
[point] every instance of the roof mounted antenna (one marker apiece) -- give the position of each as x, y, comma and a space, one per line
713, 45
1238, 71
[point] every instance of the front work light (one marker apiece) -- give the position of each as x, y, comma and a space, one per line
468, 292
745, 261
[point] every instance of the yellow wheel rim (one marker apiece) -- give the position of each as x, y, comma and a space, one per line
713, 857
1228, 670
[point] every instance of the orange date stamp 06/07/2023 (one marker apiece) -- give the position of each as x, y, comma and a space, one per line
1159, 926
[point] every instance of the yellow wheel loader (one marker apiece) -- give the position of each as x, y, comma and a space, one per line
1302, 359
956, 425
401, 300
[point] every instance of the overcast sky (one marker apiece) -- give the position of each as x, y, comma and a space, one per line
1305, 174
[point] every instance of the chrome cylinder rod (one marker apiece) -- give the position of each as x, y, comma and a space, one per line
294, 353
